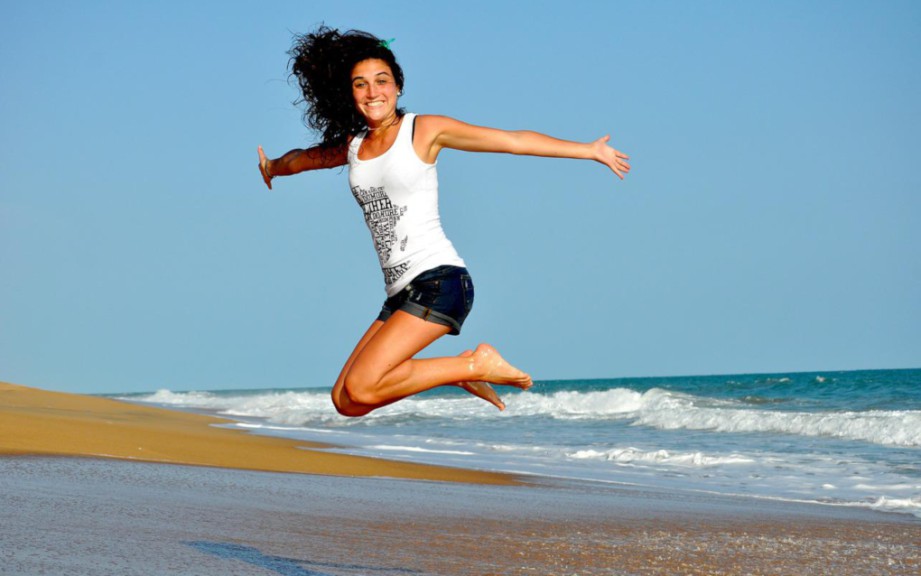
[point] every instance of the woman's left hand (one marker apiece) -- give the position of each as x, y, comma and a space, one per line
613, 159
264, 168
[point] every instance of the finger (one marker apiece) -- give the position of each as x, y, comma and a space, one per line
262, 160
262, 164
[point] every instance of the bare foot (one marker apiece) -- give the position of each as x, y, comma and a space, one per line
481, 389
484, 391
495, 369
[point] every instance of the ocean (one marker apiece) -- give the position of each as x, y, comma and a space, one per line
835, 438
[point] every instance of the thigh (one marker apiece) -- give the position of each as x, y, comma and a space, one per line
368, 335
400, 338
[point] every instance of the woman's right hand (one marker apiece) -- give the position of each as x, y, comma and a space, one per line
264, 168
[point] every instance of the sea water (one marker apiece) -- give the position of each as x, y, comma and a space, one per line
838, 438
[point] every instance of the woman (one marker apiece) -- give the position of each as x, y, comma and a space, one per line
351, 84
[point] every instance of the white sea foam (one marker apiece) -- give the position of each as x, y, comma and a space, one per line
615, 403
670, 411
634, 455
205, 400
282, 428
286, 408
417, 449
656, 408
892, 428
904, 505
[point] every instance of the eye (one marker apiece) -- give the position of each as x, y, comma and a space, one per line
359, 85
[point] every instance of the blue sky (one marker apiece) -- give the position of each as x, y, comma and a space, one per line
772, 221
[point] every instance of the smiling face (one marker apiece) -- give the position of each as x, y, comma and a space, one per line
375, 91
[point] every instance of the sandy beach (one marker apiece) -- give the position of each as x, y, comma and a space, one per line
38, 422
234, 512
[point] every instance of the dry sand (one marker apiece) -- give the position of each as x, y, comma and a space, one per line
38, 422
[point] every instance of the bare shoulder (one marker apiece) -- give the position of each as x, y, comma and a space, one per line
434, 124
427, 134
433, 133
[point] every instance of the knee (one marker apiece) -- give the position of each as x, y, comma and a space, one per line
346, 406
361, 388
351, 410
359, 394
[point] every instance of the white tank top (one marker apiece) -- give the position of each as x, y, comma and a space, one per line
398, 194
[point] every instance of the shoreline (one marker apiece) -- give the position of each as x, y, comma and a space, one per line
214, 500
42, 423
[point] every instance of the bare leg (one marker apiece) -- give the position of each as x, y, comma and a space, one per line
341, 400
481, 389
347, 407
382, 370
497, 370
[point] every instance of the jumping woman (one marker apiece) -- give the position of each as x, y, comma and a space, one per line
351, 83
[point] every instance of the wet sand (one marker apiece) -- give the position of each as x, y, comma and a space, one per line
101, 516
108, 517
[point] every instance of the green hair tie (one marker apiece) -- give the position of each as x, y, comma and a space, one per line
386, 43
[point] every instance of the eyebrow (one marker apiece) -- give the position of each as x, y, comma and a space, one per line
384, 72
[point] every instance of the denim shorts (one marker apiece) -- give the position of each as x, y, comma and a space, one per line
443, 295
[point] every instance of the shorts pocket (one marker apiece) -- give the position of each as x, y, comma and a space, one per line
467, 285
424, 293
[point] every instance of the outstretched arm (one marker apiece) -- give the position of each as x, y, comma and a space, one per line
299, 160
435, 133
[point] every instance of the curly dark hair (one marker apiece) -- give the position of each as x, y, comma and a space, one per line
322, 61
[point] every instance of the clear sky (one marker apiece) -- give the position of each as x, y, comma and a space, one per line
772, 220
